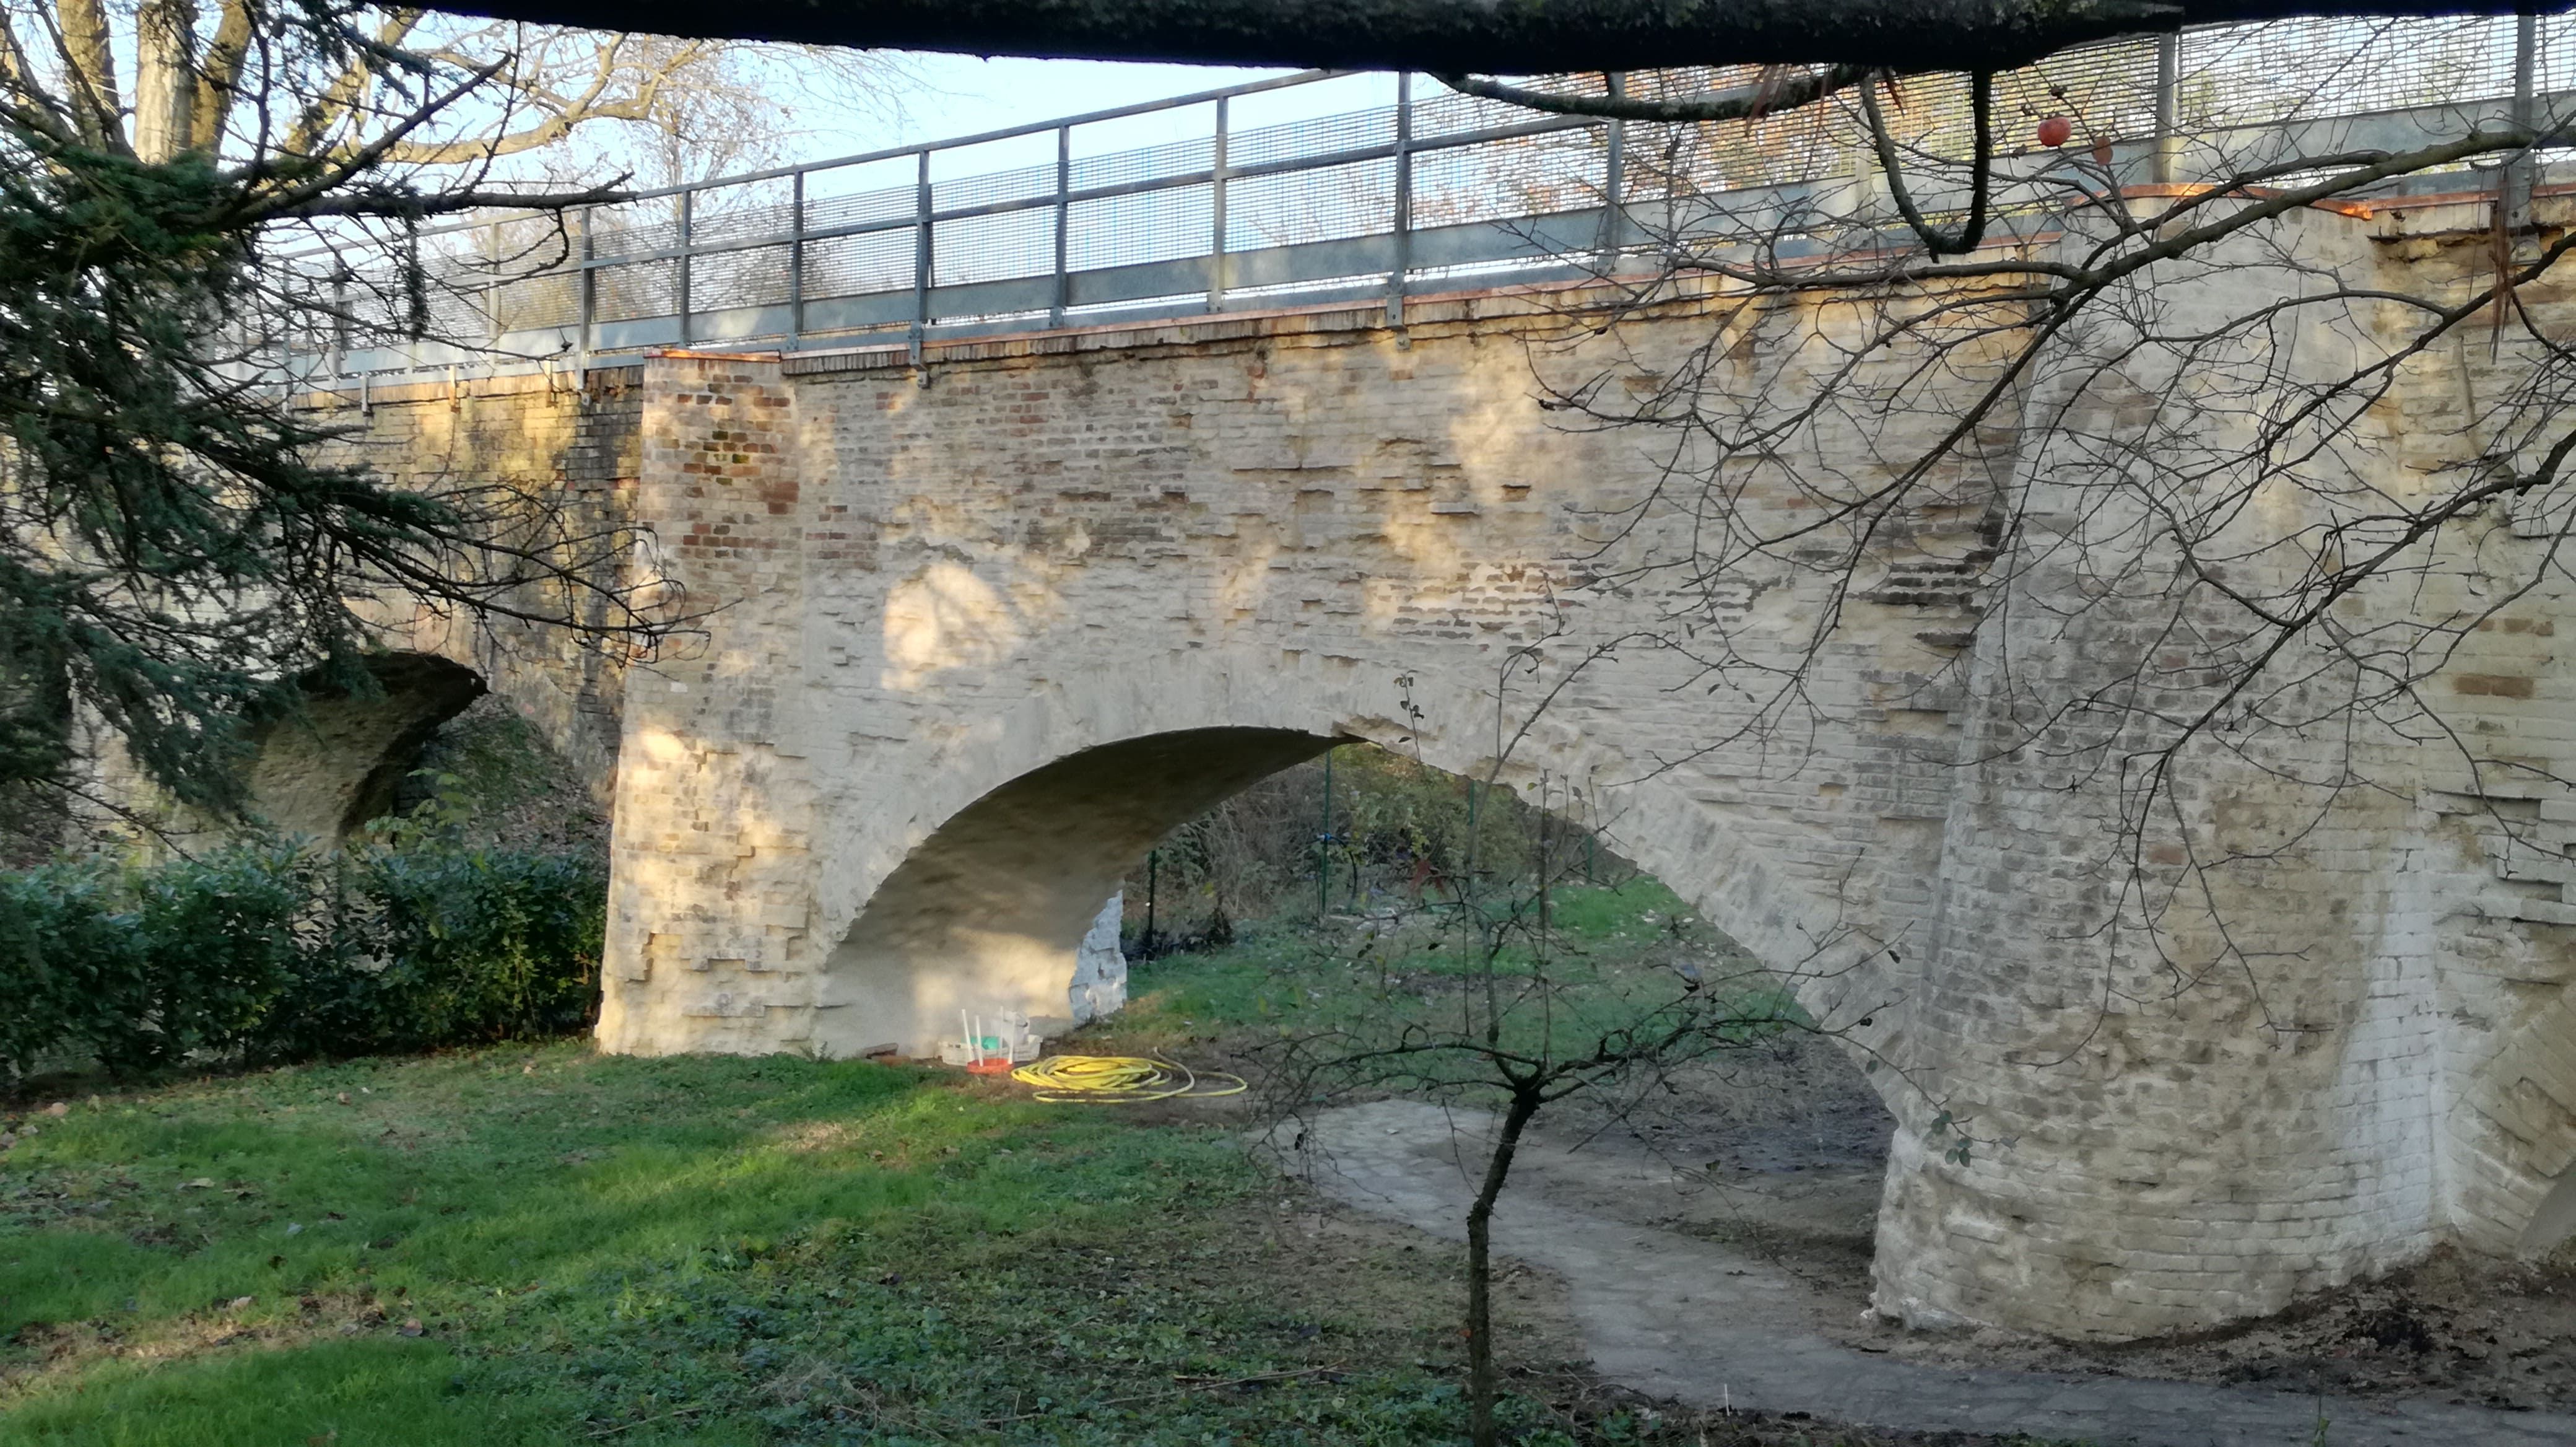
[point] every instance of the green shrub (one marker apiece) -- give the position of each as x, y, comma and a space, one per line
212, 947
482, 944
59, 933
260, 952
143, 967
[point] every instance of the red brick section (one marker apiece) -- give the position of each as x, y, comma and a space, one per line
720, 437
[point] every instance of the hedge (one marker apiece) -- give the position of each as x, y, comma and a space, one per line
267, 952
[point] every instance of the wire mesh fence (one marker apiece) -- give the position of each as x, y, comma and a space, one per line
1046, 224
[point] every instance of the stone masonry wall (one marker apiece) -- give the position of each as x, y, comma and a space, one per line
576, 438
986, 630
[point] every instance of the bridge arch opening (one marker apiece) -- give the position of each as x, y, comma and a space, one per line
1785, 1144
340, 760
988, 912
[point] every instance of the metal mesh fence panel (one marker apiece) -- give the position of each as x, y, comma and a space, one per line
1021, 184
643, 229
638, 290
994, 248
548, 299
1150, 163
1447, 113
1328, 204
1148, 226
855, 195
2291, 69
1323, 136
2556, 69
844, 266
741, 218
757, 277
1522, 176
456, 310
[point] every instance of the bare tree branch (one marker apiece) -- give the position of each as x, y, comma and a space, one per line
401, 205
1744, 102
1450, 38
219, 75
1972, 229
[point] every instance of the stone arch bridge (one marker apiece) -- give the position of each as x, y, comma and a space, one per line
988, 626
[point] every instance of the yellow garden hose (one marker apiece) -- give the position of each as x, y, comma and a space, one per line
1121, 1080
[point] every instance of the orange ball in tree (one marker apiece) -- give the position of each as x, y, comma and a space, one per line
2055, 130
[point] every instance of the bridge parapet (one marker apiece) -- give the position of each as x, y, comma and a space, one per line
1340, 187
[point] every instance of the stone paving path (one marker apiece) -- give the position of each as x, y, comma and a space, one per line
1673, 1316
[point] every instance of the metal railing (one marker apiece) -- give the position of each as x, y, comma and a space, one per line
1417, 187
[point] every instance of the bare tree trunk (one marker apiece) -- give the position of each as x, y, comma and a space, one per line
91, 64
1481, 1385
165, 79
219, 76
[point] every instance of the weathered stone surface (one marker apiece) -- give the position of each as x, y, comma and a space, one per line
334, 766
577, 438
1100, 966
985, 634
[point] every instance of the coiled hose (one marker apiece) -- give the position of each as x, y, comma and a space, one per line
1121, 1080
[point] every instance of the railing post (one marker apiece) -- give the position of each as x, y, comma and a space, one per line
688, 243
1063, 223
492, 282
588, 294
796, 263
2518, 172
1217, 278
340, 279
1402, 241
2168, 91
1614, 176
920, 257
1324, 846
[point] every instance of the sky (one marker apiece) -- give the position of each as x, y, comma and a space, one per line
971, 95
965, 95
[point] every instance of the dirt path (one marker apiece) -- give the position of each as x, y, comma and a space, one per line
1714, 1325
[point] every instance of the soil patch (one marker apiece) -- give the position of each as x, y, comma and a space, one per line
1778, 1151
2454, 1329
1715, 1326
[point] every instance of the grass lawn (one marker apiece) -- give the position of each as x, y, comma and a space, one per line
542, 1245
1613, 948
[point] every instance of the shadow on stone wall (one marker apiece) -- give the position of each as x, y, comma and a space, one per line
341, 761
